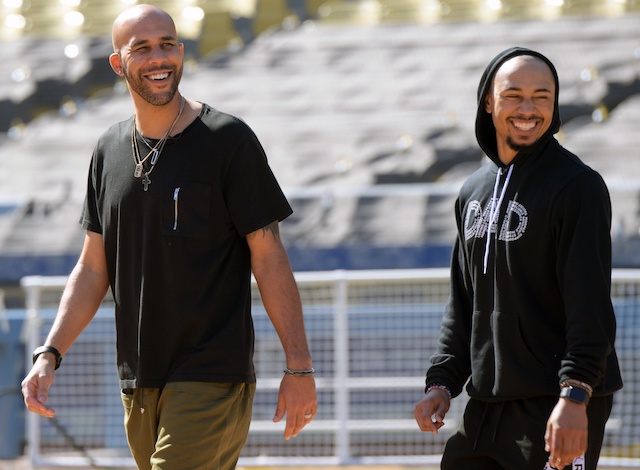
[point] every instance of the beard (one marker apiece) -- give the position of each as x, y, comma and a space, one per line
139, 85
518, 147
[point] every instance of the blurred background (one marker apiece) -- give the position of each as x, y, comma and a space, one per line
366, 111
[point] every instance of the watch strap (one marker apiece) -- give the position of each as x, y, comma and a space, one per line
48, 349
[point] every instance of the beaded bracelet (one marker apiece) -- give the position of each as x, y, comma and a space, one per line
444, 388
299, 373
576, 383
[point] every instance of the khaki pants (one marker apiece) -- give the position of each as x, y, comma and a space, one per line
188, 425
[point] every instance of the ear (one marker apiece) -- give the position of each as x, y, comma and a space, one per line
116, 63
488, 103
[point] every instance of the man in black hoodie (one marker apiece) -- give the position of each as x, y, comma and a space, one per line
529, 327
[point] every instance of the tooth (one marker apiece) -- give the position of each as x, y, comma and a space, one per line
525, 126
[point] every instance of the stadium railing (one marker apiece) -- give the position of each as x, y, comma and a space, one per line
371, 334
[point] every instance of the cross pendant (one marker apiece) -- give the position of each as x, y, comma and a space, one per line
146, 181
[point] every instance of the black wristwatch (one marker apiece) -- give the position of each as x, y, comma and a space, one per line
575, 394
46, 349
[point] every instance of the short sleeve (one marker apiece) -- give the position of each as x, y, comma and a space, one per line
90, 218
254, 197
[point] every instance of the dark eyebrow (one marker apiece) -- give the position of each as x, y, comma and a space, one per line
141, 42
539, 90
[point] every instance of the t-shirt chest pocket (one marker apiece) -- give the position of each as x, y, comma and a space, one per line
186, 212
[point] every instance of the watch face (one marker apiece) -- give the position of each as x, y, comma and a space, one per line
575, 394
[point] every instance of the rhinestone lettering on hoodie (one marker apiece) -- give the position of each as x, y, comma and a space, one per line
477, 221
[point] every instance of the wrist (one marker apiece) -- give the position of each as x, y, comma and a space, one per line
437, 386
576, 383
299, 372
576, 391
49, 351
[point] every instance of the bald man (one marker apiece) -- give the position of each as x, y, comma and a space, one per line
181, 208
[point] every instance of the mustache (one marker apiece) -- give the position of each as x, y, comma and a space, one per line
159, 69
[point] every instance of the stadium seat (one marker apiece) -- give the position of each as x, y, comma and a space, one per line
461, 10
410, 11
353, 12
44, 19
99, 16
521, 9
218, 33
312, 6
632, 6
269, 14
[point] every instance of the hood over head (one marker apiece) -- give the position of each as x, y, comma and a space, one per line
485, 130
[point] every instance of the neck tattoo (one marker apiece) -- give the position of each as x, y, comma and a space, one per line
154, 153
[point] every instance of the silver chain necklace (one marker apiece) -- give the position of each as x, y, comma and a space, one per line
154, 153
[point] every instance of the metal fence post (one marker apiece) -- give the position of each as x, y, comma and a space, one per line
341, 357
32, 339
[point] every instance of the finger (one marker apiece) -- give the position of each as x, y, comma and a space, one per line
35, 395
303, 418
556, 456
439, 415
314, 409
279, 414
547, 441
424, 421
294, 420
550, 446
564, 450
575, 449
295, 423
35, 406
438, 421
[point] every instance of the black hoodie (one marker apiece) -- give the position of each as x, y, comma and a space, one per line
530, 305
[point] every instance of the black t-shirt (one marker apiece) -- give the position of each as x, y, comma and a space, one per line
178, 262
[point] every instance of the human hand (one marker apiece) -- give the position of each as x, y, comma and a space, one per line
431, 410
297, 400
35, 387
567, 431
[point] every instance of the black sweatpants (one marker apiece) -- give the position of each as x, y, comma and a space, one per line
510, 435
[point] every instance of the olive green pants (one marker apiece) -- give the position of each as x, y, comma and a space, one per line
194, 425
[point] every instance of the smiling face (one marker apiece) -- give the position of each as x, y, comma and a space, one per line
521, 103
148, 54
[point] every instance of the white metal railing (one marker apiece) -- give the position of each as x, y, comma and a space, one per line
371, 333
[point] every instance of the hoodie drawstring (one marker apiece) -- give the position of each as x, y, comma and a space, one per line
497, 409
495, 210
480, 424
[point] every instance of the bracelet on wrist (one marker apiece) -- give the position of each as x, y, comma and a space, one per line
299, 373
444, 388
577, 384
47, 349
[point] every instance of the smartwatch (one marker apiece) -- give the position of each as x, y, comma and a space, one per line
575, 394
